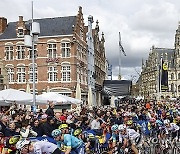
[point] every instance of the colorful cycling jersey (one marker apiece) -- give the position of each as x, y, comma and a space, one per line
173, 127
72, 141
130, 134
115, 137
145, 125
43, 147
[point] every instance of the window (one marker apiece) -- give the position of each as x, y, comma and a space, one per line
52, 50
20, 32
21, 74
66, 73
178, 75
31, 73
35, 52
52, 74
65, 48
10, 72
20, 52
9, 52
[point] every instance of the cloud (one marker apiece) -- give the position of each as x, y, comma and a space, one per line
142, 23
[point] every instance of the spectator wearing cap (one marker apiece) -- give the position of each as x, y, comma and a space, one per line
50, 110
43, 119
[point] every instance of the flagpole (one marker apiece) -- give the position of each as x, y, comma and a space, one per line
119, 77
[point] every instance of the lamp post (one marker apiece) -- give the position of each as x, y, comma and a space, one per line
29, 41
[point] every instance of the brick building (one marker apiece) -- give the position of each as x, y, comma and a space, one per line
61, 58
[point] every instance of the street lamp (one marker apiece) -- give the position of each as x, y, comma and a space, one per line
29, 41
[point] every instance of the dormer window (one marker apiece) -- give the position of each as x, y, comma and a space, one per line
20, 32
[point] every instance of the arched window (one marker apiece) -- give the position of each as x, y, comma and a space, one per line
20, 51
21, 74
179, 88
66, 72
31, 73
10, 71
52, 73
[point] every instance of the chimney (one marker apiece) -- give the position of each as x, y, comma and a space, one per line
3, 24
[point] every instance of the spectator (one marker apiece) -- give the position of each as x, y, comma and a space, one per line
3, 123
49, 126
36, 127
50, 110
26, 130
11, 130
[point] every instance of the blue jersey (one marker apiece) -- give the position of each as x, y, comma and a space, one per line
72, 141
145, 126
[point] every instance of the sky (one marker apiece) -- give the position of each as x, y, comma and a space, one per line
142, 24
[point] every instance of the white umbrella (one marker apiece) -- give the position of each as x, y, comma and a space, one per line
78, 91
72, 100
51, 97
16, 96
90, 103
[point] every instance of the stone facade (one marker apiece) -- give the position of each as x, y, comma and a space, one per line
148, 81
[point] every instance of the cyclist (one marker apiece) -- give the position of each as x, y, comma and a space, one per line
72, 143
39, 147
171, 127
125, 135
64, 128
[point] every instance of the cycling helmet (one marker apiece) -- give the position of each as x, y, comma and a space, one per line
14, 139
55, 133
20, 144
114, 127
122, 127
167, 121
159, 122
152, 120
168, 113
62, 126
129, 122
90, 135
77, 132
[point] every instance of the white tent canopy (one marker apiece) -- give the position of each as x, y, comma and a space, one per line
15, 96
56, 98
51, 97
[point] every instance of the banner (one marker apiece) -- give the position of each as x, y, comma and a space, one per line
164, 76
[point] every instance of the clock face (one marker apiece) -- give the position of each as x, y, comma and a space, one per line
165, 67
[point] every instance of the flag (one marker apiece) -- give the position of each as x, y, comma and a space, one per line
164, 76
120, 45
122, 49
